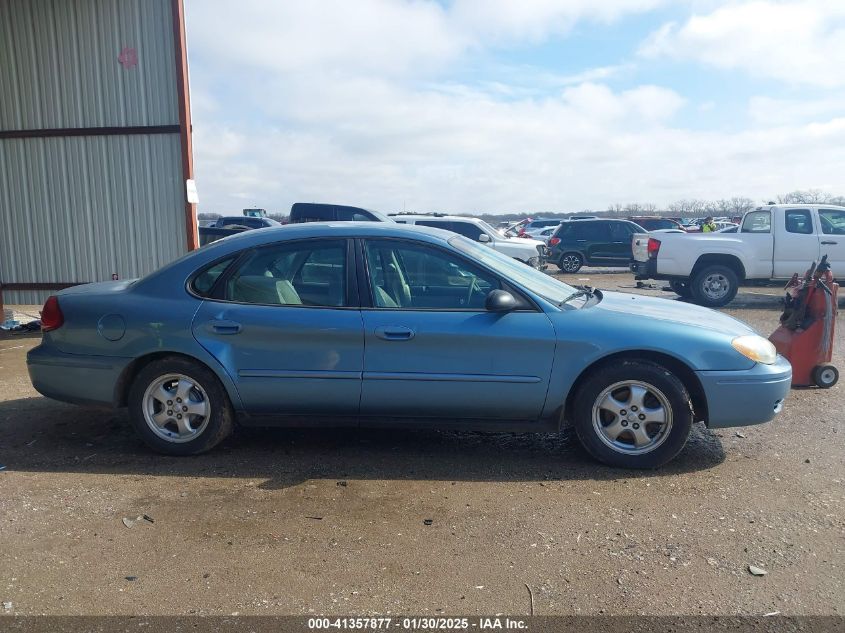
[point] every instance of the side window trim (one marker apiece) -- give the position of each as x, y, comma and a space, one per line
365, 286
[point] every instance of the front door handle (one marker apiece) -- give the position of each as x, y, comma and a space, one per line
827, 243
224, 327
394, 333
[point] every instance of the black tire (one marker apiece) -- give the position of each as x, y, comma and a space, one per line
681, 288
702, 287
668, 442
211, 429
570, 263
825, 376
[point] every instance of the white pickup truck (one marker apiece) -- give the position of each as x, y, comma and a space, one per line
772, 242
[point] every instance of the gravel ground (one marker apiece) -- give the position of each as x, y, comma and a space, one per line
337, 522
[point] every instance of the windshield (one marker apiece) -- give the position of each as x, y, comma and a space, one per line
534, 280
490, 229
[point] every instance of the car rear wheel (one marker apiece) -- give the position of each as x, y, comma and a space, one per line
179, 407
633, 414
570, 263
714, 286
681, 288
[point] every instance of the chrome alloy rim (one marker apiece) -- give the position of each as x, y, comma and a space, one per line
176, 408
570, 262
632, 417
715, 286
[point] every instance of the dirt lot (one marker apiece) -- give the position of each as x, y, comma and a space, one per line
297, 522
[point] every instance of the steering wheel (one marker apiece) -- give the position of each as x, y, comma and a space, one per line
473, 286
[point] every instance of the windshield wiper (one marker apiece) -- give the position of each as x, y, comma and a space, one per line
584, 291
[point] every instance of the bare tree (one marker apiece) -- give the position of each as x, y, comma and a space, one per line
741, 205
691, 207
837, 200
809, 196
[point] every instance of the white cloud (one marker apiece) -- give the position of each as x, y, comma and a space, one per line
327, 35
801, 43
355, 102
537, 19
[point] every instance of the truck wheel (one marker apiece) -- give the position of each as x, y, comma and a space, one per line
633, 414
681, 288
825, 376
714, 286
570, 263
179, 407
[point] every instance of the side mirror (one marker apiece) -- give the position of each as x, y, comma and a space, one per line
484, 238
500, 301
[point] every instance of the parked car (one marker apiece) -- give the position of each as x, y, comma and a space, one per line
653, 223
244, 222
534, 227
379, 324
528, 251
592, 243
773, 242
318, 212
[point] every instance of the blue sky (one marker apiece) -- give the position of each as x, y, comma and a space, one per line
499, 105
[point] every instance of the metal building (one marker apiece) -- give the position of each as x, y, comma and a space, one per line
95, 142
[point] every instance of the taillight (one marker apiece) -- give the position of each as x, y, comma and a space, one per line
51, 315
653, 247
554, 241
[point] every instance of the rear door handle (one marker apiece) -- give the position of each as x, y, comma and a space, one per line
394, 333
225, 327
826, 243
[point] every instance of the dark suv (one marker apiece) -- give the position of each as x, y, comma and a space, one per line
319, 212
592, 243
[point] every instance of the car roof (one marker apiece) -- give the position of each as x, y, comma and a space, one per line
422, 216
233, 244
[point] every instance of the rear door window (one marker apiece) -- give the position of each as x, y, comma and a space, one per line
591, 231
302, 273
798, 221
620, 232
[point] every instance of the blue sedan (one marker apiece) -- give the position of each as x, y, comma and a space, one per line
376, 324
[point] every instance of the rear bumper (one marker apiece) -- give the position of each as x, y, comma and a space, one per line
743, 398
644, 270
75, 378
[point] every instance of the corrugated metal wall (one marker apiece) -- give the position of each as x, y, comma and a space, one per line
60, 64
79, 208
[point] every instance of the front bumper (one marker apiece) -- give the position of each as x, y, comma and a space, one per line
74, 378
743, 398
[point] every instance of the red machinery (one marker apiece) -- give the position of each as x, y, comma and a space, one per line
805, 335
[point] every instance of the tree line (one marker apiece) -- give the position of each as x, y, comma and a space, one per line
685, 208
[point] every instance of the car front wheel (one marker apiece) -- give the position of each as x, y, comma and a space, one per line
633, 414
179, 407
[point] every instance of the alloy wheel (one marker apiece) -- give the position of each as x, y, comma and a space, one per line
176, 408
632, 417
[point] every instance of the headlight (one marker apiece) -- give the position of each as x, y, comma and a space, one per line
756, 348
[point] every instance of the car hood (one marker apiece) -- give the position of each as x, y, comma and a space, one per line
668, 310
